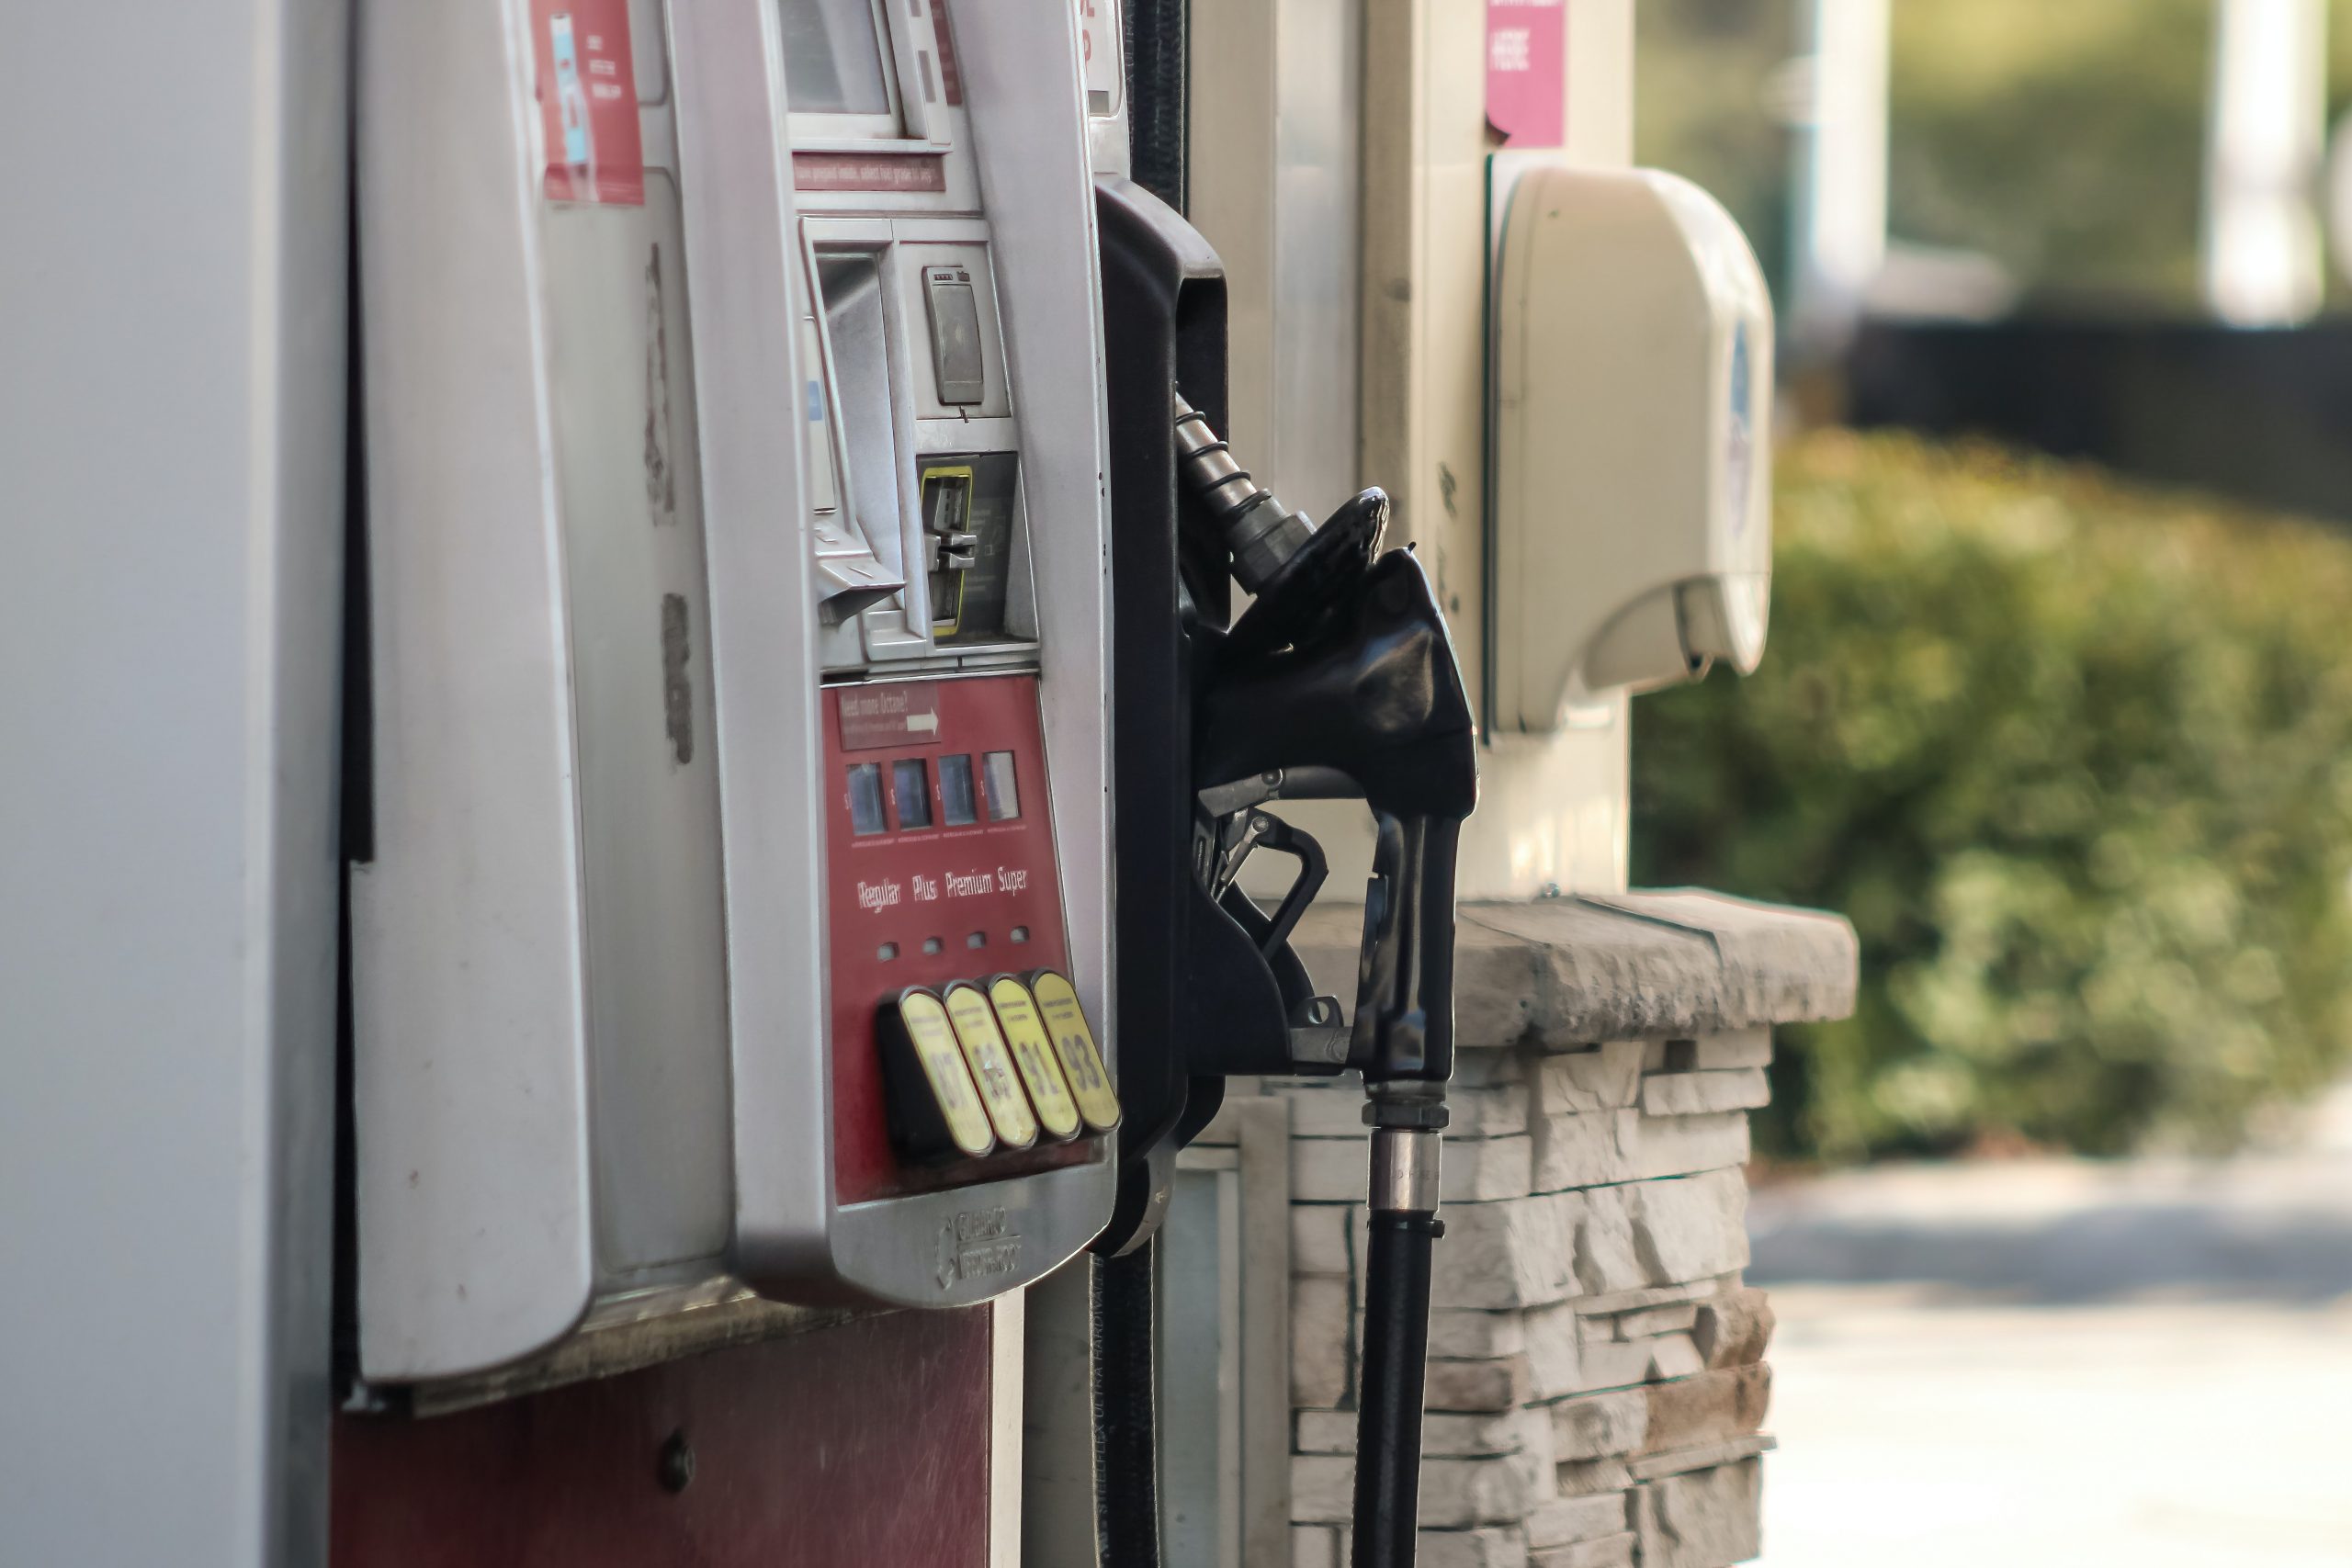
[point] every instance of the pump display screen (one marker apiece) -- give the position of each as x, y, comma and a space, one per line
832, 57
1004, 788
957, 807
911, 787
865, 799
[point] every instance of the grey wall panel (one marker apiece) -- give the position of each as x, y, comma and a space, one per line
172, 377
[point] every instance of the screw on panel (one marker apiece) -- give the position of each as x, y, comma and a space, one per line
675, 1468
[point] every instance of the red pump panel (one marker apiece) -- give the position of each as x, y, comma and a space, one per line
940, 866
863, 1444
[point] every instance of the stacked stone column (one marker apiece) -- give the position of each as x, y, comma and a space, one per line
1597, 1389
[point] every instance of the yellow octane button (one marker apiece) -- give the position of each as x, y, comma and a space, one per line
958, 1102
1033, 1053
1081, 1059
992, 1064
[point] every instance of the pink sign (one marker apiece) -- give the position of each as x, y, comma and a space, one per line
588, 101
1527, 64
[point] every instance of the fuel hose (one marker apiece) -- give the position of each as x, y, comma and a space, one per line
1404, 1228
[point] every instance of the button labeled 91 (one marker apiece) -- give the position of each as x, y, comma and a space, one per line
1033, 1053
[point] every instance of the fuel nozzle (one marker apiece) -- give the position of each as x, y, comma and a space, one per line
1343, 669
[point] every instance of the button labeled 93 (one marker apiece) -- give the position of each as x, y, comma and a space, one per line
1081, 1059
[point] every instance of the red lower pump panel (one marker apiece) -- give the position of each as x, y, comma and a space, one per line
865, 1443
940, 866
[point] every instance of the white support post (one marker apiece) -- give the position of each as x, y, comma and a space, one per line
2265, 131
1841, 223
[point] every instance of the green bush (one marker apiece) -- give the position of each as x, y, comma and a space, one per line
2077, 760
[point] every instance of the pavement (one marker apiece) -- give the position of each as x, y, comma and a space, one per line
2032, 1364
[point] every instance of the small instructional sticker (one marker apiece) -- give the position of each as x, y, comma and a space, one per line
1098, 50
894, 713
587, 80
918, 172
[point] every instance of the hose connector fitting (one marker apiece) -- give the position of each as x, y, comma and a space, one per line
1259, 530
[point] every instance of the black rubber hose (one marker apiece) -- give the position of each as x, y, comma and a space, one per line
1388, 1413
1126, 1459
1156, 90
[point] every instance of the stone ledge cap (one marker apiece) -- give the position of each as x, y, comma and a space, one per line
1669, 964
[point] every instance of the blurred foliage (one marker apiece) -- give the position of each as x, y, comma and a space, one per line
2077, 760
2066, 141
1708, 79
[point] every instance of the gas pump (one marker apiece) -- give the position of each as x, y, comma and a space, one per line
591, 815
731, 907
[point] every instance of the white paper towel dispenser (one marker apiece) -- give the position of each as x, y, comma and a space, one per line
1632, 395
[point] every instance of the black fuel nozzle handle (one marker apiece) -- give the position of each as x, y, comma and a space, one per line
1344, 667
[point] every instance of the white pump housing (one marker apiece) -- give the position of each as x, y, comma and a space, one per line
1632, 489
